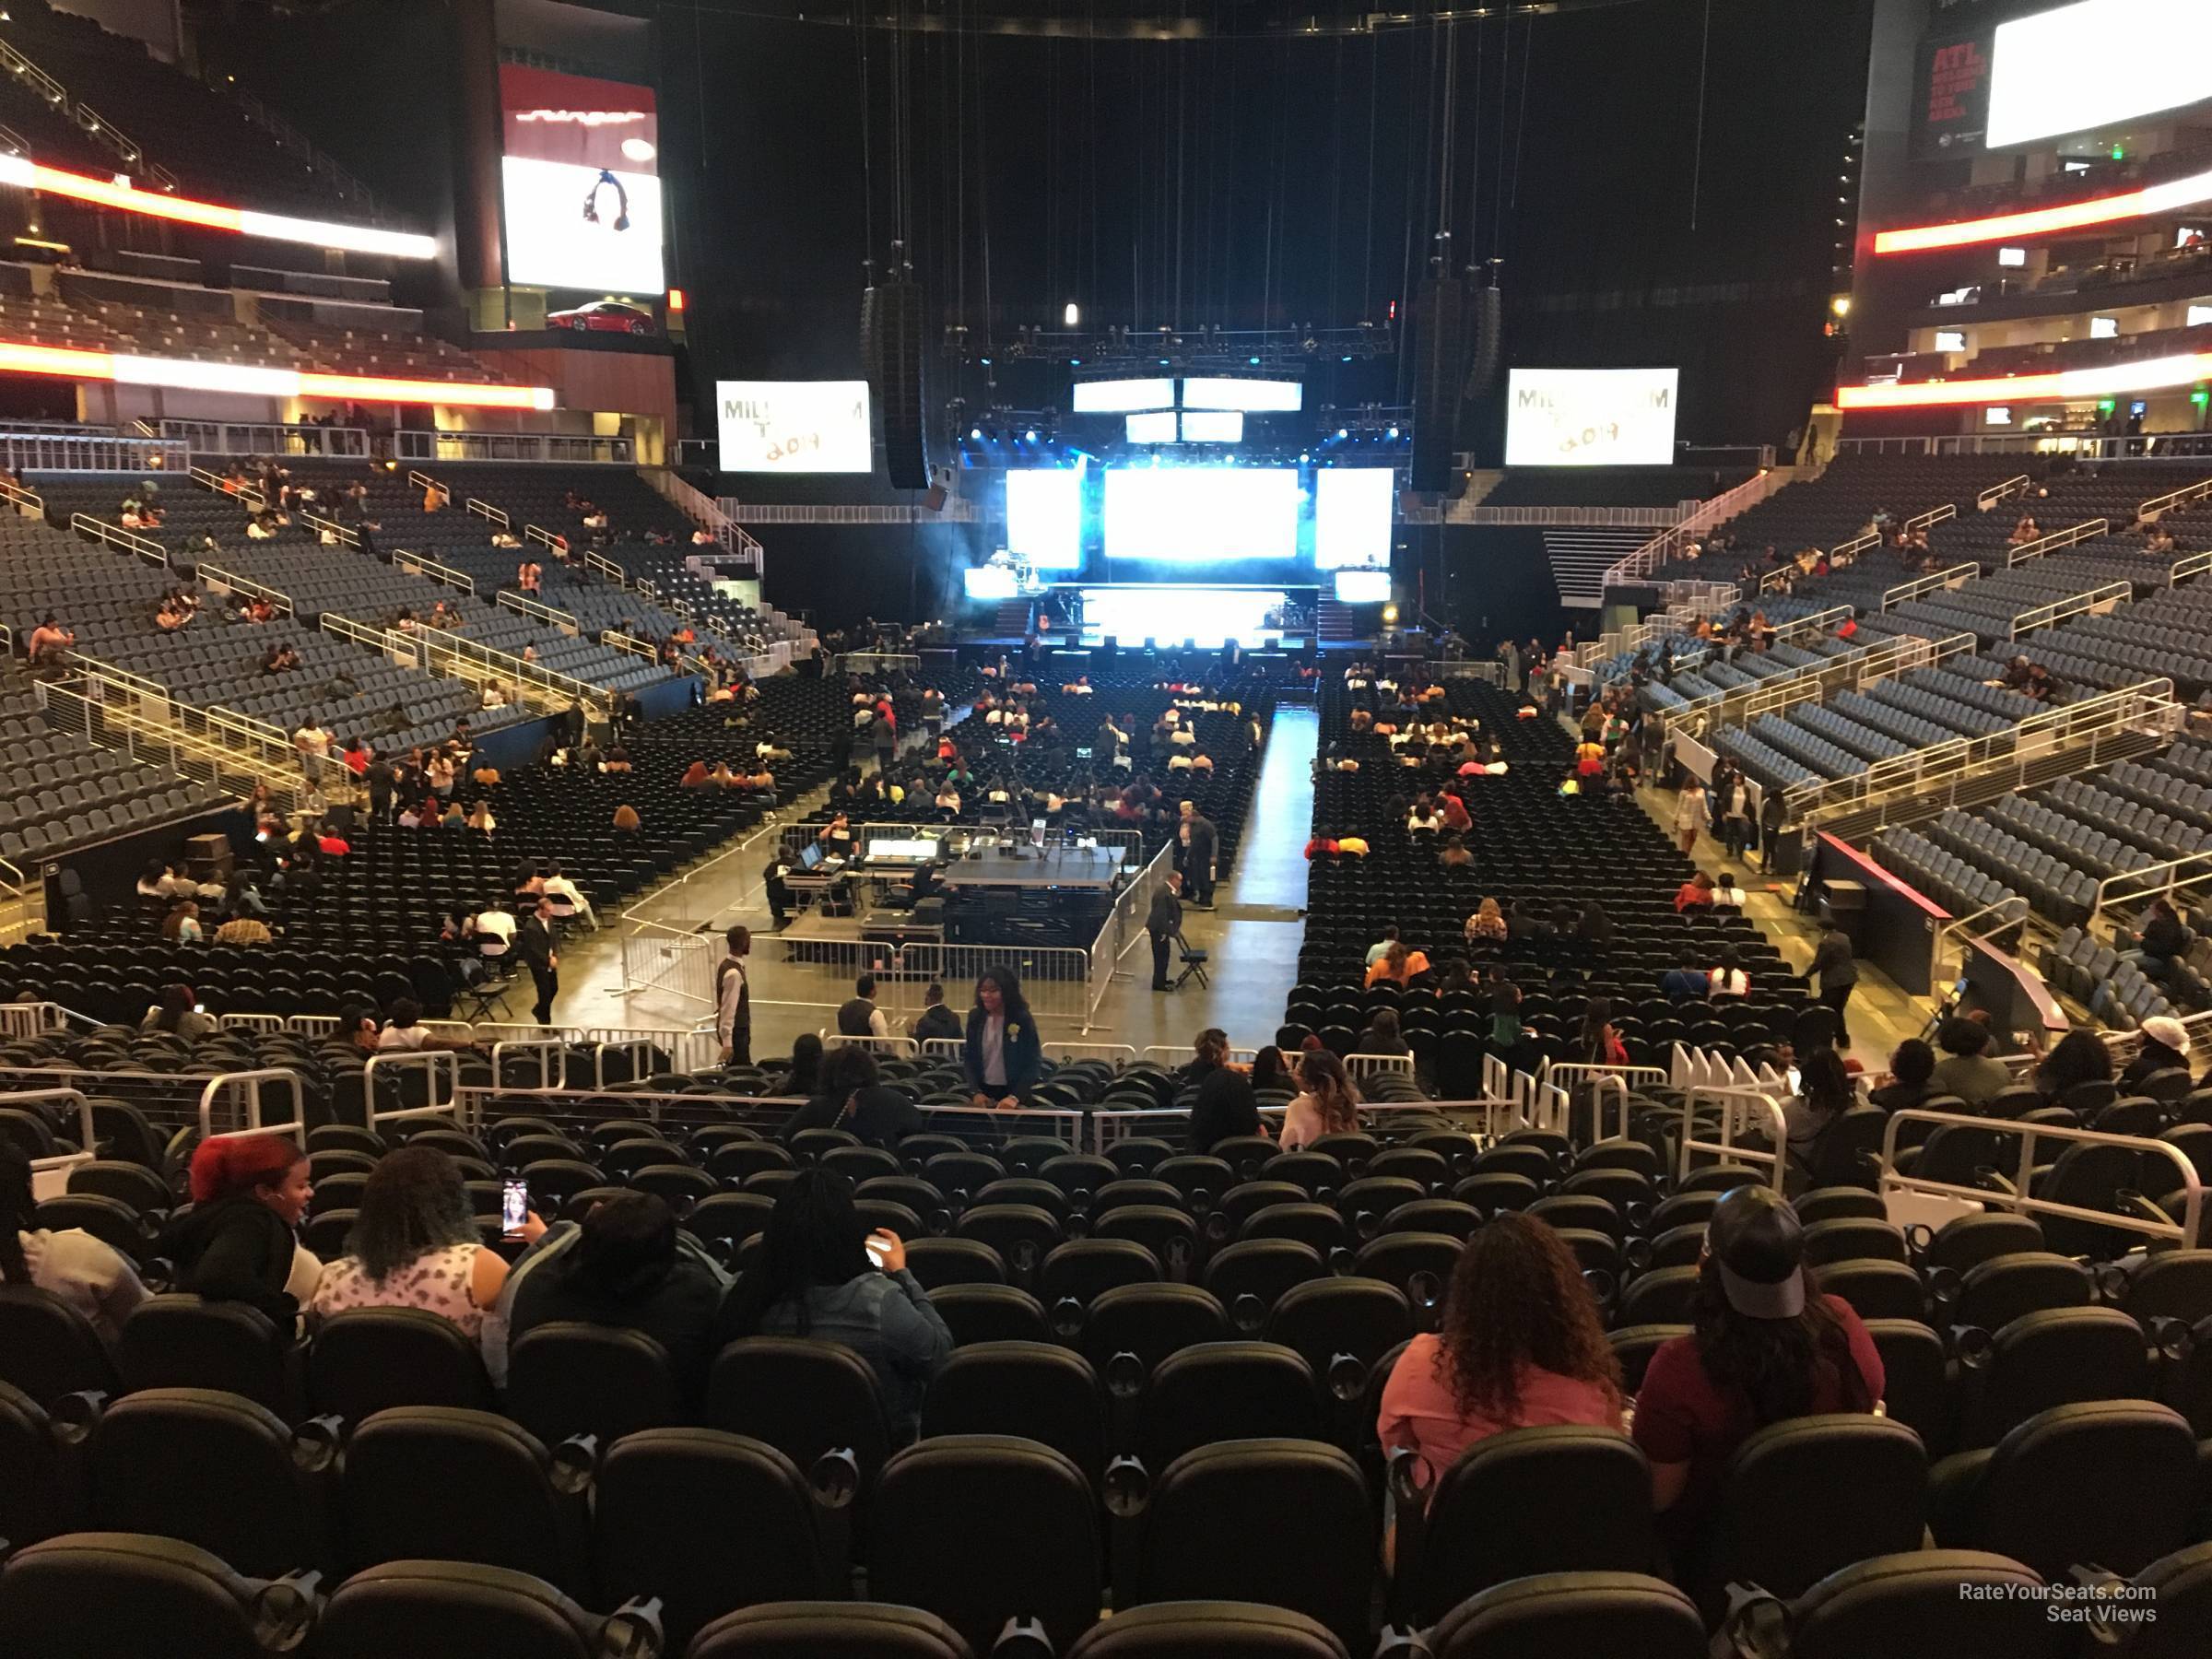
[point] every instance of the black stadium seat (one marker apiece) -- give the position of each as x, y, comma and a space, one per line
829, 1629
1571, 1615
1207, 1630
455, 1610
104, 1596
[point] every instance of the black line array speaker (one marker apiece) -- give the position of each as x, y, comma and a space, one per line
891, 347
1485, 322
1439, 322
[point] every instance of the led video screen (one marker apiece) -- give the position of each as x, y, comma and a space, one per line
1044, 516
1202, 391
1352, 507
794, 426
1363, 587
581, 183
1121, 396
1199, 514
2086, 66
1589, 417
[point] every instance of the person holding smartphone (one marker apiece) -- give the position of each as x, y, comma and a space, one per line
822, 1274
415, 1244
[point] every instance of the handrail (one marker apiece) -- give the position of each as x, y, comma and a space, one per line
622, 641
2072, 536
1933, 515
1998, 492
435, 1063
1955, 575
2073, 605
2188, 565
606, 568
1720, 507
2139, 708
215, 576
115, 535
485, 509
2174, 498
216, 484
345, 537
2119, 889
2014, 907
544, 537
86, 1140
449, 653
223, 1082
2022, 1199
538, 610
31, 503
436, 570
424, 482
1733, 1100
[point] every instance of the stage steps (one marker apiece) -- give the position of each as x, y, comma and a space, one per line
1333, 620
1581, 555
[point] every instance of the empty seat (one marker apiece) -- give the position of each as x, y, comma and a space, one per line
110, 1596
459, 1610
1572, 1616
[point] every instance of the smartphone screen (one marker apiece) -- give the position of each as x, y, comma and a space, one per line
515, 1206
876, 1248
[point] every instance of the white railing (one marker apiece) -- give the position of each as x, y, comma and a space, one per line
25, 451
706, 512
1633, 518
2074, 605
485, 509
958, 509
1886, 661
2188, 565
434, 570
2139, 711
223, 580
607, 570
1741, 1109
411, 444
1952, 576
2079, 445
28, 503
1998, 492
214, 483
2021, 1198
325, 526
2132, 886
1727, 505
2172, 499
537, 611
1124, 927
1933, 515
2072, 536
115, 535
458, 657
265, 438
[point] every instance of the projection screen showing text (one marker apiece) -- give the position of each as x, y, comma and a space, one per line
1044, 516
1589, 417
794, 426
2083, 67
1352, 509
1199, 515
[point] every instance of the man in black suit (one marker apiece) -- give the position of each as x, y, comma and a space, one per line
533, 944
1164, 922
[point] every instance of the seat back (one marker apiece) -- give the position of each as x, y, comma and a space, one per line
368, 1359
1873, 1478
1039, 1391
213, 1469
1200, 1629
708, 1523
829, 1629
454, 1609
803, 1398
181, 1341
1558, 1497
1218, 1391
1027, 1546
1997, 1291
99, 1594
437, 1483
1150, 1321
2110, 1482
48, 1348
1212, 1529
1934, 1604
1341, 1327
1571, 1615
32, 1503
2054, 1358
568, 1377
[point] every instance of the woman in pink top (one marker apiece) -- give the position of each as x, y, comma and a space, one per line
1522, 1346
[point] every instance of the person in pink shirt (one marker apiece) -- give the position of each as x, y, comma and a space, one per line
1522, 1346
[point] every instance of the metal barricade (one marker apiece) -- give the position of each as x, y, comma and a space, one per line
435, 1066
682, 964
551, 1072
2021, 1200
1735, 1103
237, 1091
820, 972
480, 1106
31, 1020
264, 1023
898, 1048
988, 1126
1596, 1078
1171, 1056
1368, 1065
44, 1170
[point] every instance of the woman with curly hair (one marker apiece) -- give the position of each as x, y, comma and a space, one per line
1522, 1346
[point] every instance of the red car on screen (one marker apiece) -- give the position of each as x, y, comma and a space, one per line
609, 314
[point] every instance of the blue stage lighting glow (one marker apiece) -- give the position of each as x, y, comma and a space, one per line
1393, 431
1030, 436
1254, 361
1343, 433
1195, 514
976, 433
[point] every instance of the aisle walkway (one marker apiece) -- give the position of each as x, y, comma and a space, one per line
1257, 923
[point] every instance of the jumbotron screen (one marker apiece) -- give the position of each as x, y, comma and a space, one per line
581, 181
1590, 417
1201, 514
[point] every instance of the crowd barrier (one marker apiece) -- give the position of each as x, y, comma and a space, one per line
1741, 1109
1056, 980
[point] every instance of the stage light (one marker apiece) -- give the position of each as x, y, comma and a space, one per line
976, 433
1342, 431
1030, 436
1072, 315
1393, 431
1390, 616
1254, 361
2198, 397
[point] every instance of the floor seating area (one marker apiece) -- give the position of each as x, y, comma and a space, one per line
1531, 848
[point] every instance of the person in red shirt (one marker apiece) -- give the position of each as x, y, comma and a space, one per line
1695, 894
1455, 812
1762, 1350
1522, 1344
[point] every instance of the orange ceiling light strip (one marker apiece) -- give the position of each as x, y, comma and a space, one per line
2044, 221
2155, 374
26, 174
183, 375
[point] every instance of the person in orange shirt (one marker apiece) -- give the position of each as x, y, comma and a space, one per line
1397, 964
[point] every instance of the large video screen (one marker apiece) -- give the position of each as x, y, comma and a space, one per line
1198, 515
794, 426
581, 183
2086, 66
1044, 516
1352, 507
1589, 417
